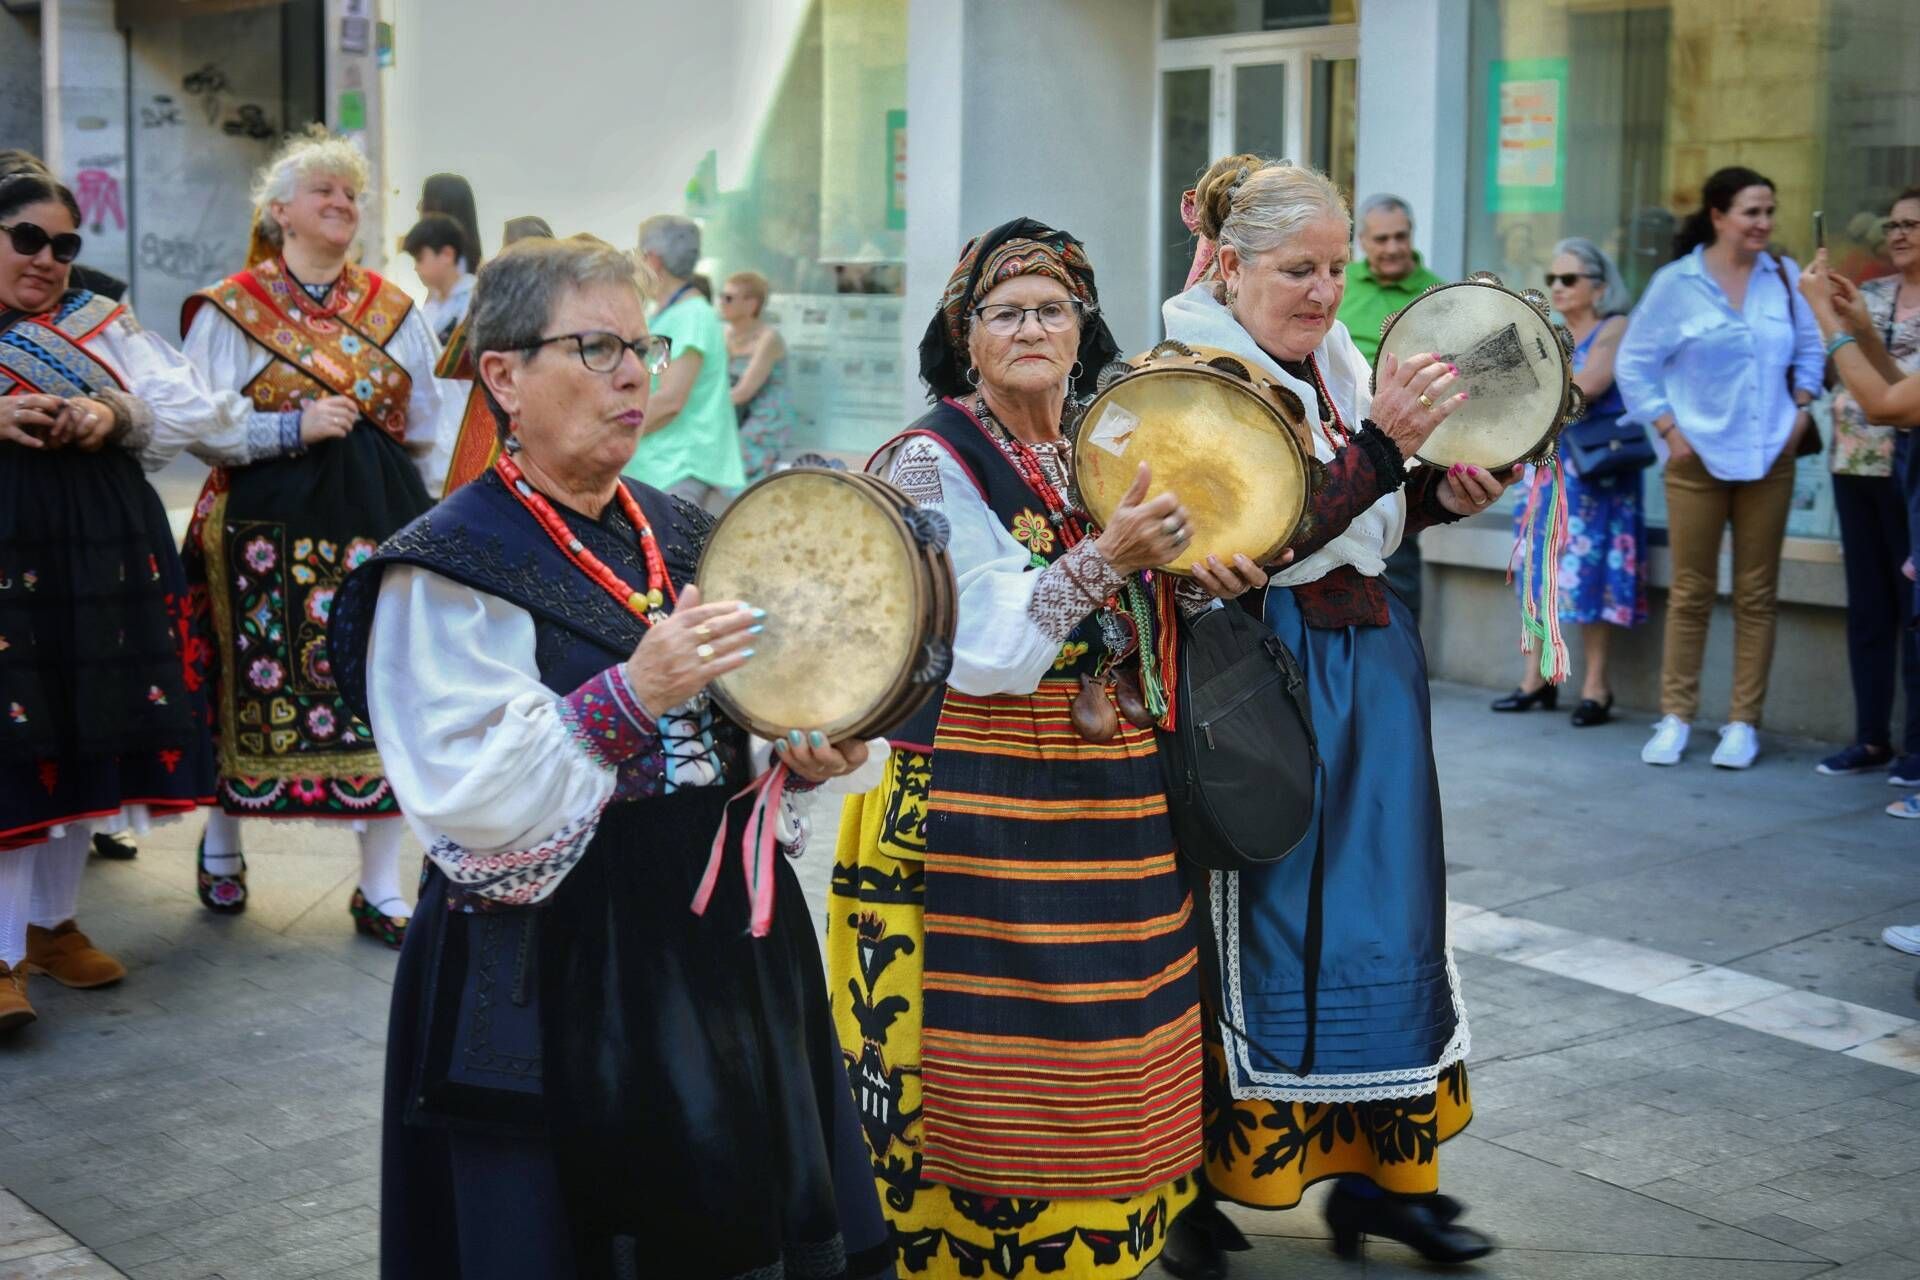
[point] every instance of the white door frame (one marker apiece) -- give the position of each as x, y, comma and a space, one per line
1220, 55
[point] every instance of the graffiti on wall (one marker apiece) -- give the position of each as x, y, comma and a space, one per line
183, 258
99, 195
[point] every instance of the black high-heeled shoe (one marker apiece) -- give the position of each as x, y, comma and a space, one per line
1590, 713
1424, 1224
1199, 1241
1546, 697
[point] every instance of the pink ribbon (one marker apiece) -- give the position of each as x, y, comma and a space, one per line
1203, 249
756, 848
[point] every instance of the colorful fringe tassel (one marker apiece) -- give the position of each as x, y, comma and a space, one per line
1540, 582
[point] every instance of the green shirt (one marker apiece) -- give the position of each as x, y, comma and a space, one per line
703, 441
1369, 302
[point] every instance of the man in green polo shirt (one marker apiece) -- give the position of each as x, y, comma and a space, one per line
1388, 277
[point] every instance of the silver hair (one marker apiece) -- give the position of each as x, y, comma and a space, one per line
1382, 203
517, 291
675, 239
1594, 263
1272, 204
301, 156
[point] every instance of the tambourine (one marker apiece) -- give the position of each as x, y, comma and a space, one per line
1229, 442
1515, 364
860, 599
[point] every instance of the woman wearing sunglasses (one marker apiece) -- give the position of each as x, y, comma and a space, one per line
101, 723
303, 336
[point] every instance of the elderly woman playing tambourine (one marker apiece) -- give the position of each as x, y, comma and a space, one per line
1010, 939
1391, 1031
585, 1077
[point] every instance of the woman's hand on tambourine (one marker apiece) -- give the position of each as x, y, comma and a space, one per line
83, 423
1144, 533
1471, 489
26, 419
1227, 580
1413, 398
328, 418
813, 758
683, 654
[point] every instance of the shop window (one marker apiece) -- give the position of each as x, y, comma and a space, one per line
1188, 18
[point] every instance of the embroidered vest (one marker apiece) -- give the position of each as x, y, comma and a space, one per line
47, 354
1018, 508
333, 348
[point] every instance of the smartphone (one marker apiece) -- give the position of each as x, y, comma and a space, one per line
1819, 230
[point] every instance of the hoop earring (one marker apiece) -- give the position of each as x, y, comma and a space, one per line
973, 377
1232, 296
1073, 374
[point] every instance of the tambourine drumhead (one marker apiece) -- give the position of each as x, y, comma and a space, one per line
1511, 364
850, 601
1212, 440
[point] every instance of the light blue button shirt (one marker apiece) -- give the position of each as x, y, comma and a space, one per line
1721, 373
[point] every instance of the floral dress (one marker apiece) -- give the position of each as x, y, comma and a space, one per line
766, 421
1602, 575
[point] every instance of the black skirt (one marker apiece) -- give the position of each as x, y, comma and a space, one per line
693, 1116
99, 708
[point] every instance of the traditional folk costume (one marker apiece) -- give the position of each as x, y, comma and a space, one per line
270, 544
584, 1077
476, 443
1014, 971
102, 713
1388, 1080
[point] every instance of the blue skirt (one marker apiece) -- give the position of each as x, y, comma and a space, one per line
1389, 1013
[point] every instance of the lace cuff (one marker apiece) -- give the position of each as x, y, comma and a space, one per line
1071, 588
516, 877
132, 419
608, 720
1385, 454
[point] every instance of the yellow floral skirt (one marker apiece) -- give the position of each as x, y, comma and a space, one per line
1266, 1154
874, 965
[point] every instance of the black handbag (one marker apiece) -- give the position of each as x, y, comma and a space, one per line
1243, 770
1606, 447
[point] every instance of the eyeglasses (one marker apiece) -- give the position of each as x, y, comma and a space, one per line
602, 352
1003, 320
1892, 226
1568, 280
29, 239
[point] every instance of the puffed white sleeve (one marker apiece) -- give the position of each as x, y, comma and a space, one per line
172, 408
502, 778
1014, 616
428, 431
227, 360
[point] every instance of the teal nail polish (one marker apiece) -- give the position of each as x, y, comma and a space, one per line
755, 629
795, 737
757, 613
819, 738
746, 653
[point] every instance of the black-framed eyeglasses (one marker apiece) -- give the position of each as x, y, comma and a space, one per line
602, 352
1003, 320
1569, 280
29, 239
1900, 226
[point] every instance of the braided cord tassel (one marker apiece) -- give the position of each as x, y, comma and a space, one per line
1540, 573
1146, 638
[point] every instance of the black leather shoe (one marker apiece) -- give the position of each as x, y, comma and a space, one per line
1590, 713
1424, 1224
118, 847
1199, 1241
1546, 697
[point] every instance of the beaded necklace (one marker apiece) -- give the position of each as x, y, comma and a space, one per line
1338, 425
642, 604
1026, 463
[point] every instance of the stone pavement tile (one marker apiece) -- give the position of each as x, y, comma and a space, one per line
353, 1194
1714, 990
1394, 1262
1857, 1240
1847, 961
1492, 887
1509, 938
73, 1264
1825, 1182
1900, 1050
131, 1255
1702, 1139
1820, 1021
1878, 1266
359, 1271
262, 1219
1752, 1169
23, 1232
1618, 966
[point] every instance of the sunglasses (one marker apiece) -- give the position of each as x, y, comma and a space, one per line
1568, 281
29, 240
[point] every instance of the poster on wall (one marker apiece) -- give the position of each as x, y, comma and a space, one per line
1527, 102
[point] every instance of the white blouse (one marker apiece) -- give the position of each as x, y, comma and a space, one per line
229, 359
493, 778
1013, 618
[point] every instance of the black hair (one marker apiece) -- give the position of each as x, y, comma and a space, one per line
435, 231
25, 187
1716, 193
1911, 193
450, 194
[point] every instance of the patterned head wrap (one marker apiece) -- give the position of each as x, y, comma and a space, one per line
1021, 247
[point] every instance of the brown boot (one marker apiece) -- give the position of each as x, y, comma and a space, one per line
69, 957
15, 1012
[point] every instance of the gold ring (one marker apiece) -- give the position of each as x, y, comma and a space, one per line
1425, 403
704, 631
704, 653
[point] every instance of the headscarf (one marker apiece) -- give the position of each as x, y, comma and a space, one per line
1018, 248
1203, 248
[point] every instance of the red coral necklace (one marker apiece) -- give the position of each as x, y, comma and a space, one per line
641, 603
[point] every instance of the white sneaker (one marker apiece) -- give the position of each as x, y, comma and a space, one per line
1902, 937
1739, 746
1907, 808
1669, 741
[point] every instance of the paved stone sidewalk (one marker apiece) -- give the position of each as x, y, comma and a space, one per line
216, 1115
